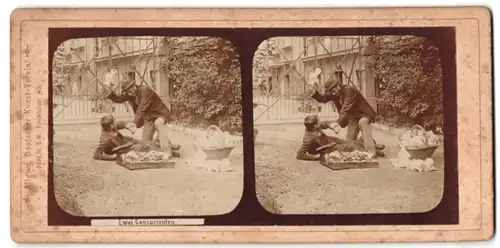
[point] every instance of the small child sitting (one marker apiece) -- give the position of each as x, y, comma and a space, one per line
315, 138
111, 139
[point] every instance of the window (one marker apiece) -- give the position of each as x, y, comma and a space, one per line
270, 85
287, 42
152, 76
264, 85
77, 86
96, 47
131, 75
320, 79
339, 76
305, 47
359, 77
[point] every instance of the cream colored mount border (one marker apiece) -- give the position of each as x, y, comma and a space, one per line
474, 66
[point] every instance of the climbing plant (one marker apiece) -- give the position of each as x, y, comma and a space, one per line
58, 73
260, 67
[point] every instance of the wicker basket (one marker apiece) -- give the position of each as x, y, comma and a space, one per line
419, 152
216, 153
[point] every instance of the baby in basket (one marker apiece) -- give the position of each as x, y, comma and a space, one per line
112, 143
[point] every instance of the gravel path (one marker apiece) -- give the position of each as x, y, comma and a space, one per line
99, 188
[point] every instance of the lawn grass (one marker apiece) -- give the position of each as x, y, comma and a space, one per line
302, 187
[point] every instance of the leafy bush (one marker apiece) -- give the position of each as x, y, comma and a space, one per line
207, 83
408, 70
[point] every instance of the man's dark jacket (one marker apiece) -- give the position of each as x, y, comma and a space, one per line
350, 104
146, 104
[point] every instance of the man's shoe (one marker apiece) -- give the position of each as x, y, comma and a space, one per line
175, 147
379, 146
176, 154
380, 154
323, 159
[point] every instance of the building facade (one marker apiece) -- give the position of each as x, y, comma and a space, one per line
100, 54
87, 65
339, 57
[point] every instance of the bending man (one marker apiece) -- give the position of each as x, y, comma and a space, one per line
150, 112
354, 112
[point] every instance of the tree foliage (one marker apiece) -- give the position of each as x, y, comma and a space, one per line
205, 72
408, 70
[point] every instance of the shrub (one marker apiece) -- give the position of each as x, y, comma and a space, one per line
207, 83
408, 71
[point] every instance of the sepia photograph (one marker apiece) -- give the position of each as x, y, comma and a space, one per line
348, 124
147, 126
301, 125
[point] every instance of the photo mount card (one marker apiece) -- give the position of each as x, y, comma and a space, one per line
226, 94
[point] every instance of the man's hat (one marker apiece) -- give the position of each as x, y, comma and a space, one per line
127, 84
329, 85
107, 119
311, 119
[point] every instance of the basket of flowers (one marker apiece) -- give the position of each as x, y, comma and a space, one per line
142, 156
217, 145
340, 160
419, 143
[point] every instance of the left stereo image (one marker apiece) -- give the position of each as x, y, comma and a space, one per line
147, 126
